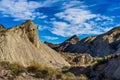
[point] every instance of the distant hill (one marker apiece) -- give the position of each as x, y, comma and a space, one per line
101, 45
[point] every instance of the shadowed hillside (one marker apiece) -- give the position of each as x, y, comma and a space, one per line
101, 45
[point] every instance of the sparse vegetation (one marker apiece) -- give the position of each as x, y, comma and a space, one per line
102, 60
72, 63
83, 77
38, 71
14, 67
42, 71
48, 73
68, 76
65, 67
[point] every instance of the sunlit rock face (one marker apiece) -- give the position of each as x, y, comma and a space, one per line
21, 44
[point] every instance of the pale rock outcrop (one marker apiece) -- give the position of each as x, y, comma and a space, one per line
21, 44
83, 59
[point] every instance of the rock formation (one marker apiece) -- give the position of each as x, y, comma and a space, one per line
21, 44
78, 59
64, 47
53, 46
83, 59
101, 45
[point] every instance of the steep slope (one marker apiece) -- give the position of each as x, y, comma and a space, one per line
53, 46
69, 42
112, 69
65, 45
100, 45
108, 69
118, 48
21, 44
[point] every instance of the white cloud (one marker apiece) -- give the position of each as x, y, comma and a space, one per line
64, 29
78, 20
50, 37
74, 3
60, 28
20, 9
48, 3
74, 19
42, 17
75, 16
114, 8
41, 28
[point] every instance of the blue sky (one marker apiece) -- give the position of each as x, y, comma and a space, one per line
58, 20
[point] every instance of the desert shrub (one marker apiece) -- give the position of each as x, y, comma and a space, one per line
83, 77
72, 63
52, 72
65, 67
101, 60
15, 68
59, 76
5, 64
33, 67
108, 57
42, 71
68, 76
42, 74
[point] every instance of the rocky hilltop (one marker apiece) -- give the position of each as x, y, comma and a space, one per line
20, 44
101, 45
64, 46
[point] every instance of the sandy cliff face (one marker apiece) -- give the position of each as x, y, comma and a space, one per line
21, 44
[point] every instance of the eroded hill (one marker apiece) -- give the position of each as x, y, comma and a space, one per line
20, 44
101, 45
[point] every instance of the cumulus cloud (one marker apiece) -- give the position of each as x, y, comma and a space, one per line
79, 20
41, 28
20, 9
50, 37
74, 3
42, 17
75, 16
